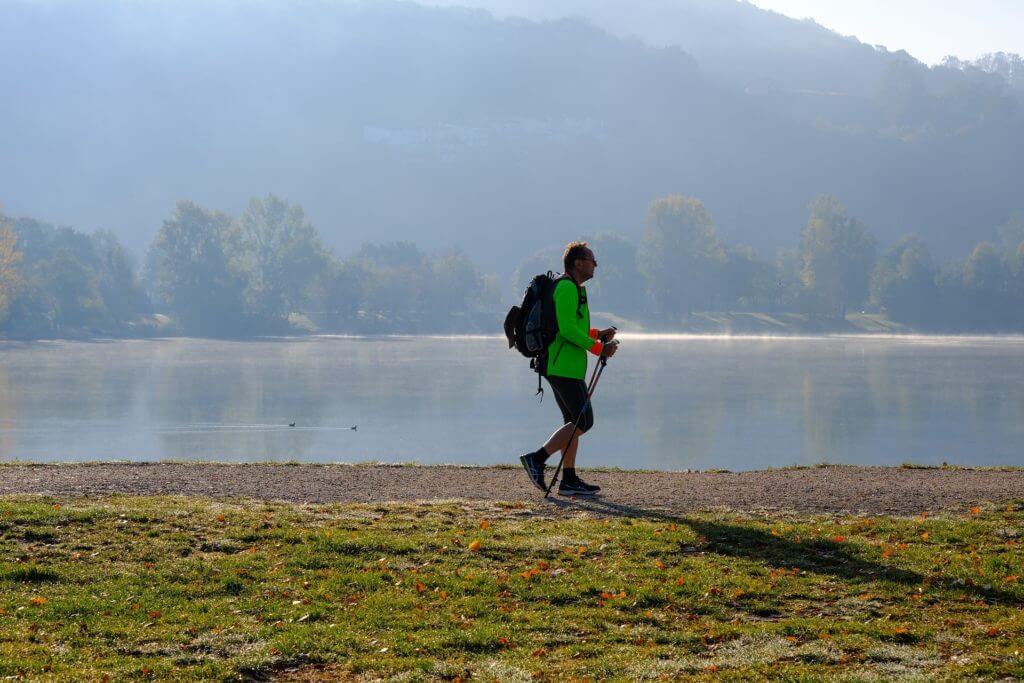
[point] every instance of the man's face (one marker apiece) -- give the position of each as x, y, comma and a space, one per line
585, 265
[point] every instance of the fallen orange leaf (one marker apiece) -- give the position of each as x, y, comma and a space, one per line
924, 536
485, 524
475, 545
839, 539
420, 588
38, 600
975, 511
659, 564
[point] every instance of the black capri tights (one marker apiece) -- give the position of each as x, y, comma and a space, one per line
571, 396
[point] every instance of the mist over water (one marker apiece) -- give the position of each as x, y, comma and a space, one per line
667, 402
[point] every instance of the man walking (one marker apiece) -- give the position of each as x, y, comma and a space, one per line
567, 368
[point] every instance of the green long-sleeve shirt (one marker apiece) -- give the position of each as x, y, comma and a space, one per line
567, 356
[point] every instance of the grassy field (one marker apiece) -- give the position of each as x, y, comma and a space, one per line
123, 588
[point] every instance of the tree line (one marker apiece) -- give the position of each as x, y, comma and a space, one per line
267, 272
681, 266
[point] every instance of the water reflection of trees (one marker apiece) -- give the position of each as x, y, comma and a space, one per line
75, 381
952, 404
9, 413
234, 400
838, 409
392, 386
46, 386
717, 404
679, 425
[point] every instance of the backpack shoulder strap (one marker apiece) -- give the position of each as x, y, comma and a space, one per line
579, 291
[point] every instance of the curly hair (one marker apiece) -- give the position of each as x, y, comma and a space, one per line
573, 251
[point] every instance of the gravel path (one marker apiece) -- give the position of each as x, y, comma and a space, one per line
874, 490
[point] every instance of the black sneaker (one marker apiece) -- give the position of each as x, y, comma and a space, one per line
534, 467
577, 488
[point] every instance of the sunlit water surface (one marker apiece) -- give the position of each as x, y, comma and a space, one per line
665, 402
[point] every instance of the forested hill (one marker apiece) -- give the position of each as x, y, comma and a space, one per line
732, 40
448, 126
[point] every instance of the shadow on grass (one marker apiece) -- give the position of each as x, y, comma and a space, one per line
817, 555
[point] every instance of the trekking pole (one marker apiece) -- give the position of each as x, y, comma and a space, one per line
598, 370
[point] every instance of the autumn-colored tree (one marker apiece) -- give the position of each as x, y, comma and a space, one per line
10, 280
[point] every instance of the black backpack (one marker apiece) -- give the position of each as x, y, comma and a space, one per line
531, 326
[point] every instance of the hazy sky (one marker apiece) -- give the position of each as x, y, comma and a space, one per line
927, 29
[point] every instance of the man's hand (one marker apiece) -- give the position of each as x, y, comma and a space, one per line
606, 335
610, 349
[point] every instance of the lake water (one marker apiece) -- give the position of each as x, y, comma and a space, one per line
664, 402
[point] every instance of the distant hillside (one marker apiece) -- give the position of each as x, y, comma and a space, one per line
732, 40
447, 126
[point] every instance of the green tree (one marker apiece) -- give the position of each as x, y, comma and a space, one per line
903, 282
1012, 232
986, 283
191, 274
541, 261
751, 283
122, 292
337, 294
10, 257
396, 281
456, 284
680, 255
617, 287
280, 258
837, 254
71, 299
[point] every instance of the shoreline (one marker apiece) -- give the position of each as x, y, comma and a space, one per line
845, 489
640, 334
